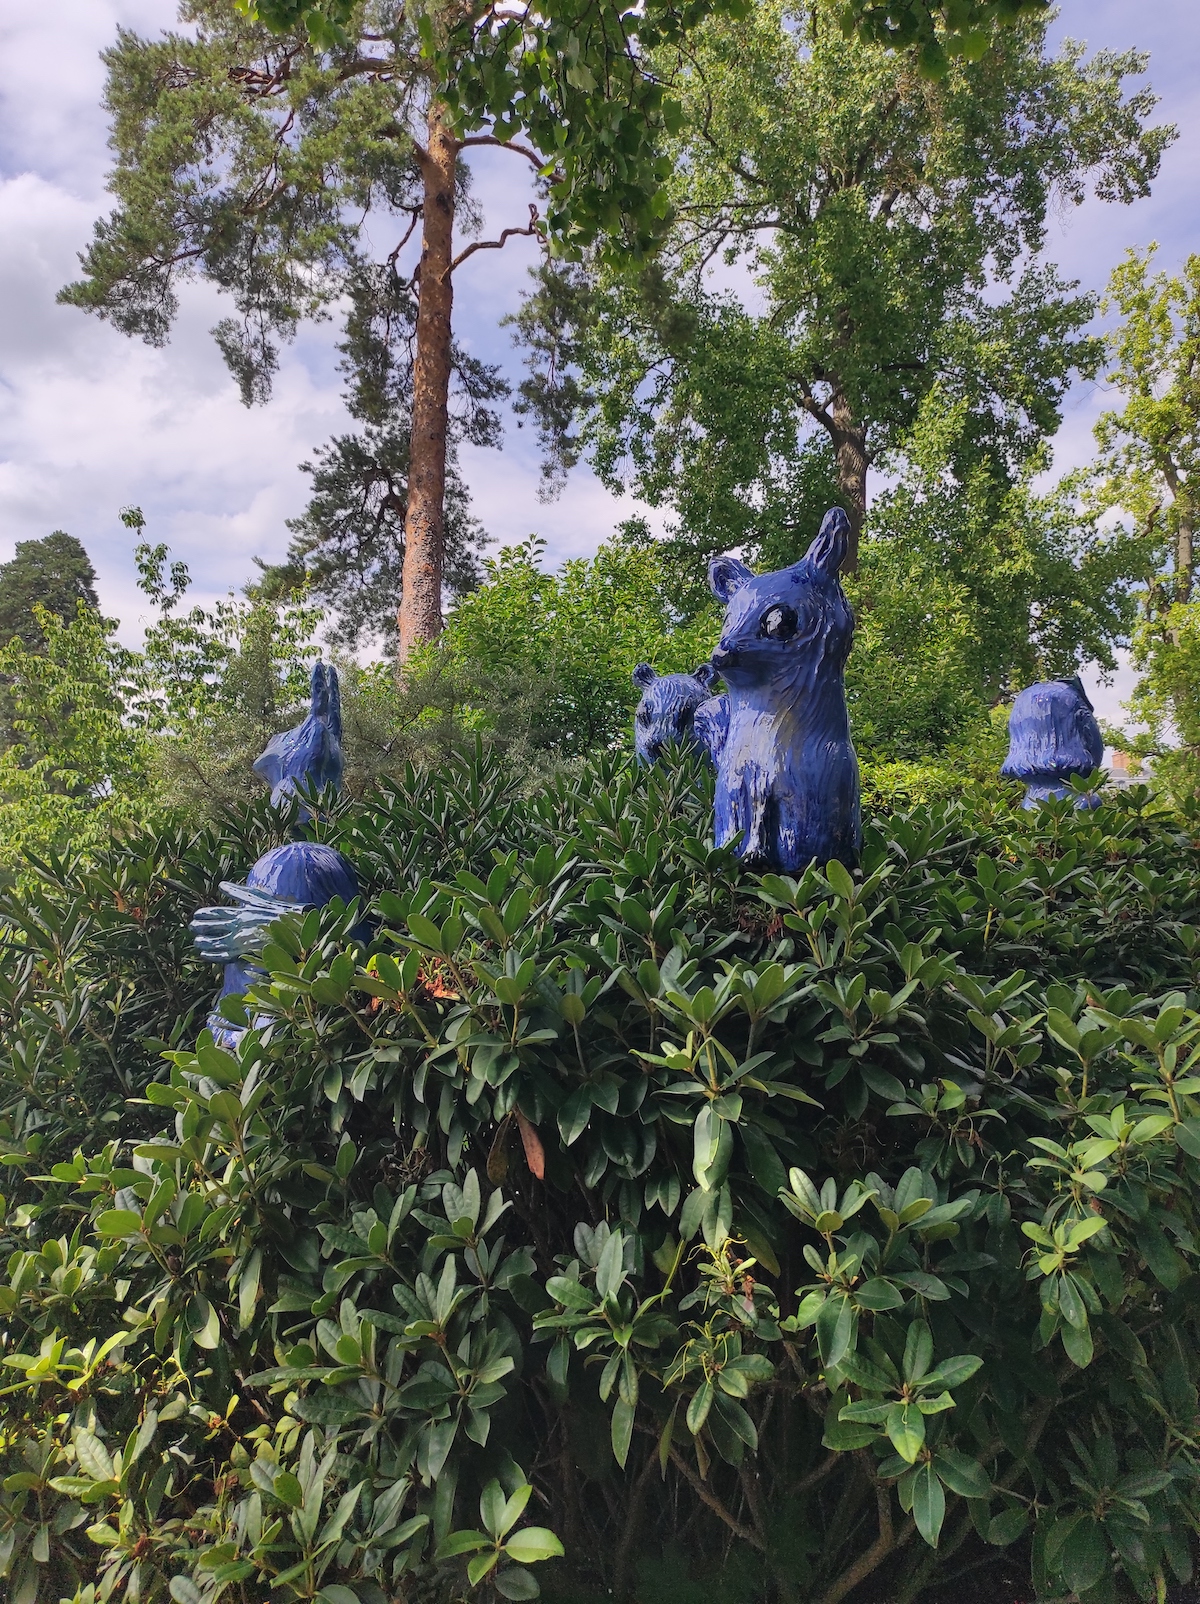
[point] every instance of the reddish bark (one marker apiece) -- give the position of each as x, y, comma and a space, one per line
420, 616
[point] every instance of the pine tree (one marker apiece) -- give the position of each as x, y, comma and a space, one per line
55, 572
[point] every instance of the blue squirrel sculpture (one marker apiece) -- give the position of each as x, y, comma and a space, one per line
665, 712
288, 878
311, 754
1052, 736
787, 774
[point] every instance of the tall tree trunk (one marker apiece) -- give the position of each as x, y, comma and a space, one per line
1184, 556
850, 451
420, 615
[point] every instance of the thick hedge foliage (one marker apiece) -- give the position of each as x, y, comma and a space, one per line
609, 1200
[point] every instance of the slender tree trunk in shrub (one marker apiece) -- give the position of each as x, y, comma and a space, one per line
424, 523
850, 449
1184, 556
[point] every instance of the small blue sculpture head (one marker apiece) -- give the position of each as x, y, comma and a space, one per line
311, 754
1053, 735
299, 874
791, 628
667, 708
306, 872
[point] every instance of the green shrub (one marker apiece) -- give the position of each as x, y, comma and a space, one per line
815, 1231
566, 643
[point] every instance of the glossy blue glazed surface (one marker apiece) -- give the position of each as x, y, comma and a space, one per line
787, 774
1053, 737
305, 872
711, 726
667, 708
310, 754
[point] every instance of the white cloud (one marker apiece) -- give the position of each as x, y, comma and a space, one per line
91, 421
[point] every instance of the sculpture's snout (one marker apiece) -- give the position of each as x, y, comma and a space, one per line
724, 657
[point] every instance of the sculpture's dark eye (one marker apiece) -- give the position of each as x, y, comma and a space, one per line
778, 623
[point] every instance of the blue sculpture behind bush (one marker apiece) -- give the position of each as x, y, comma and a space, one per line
787, 775
297, 875
667, 708
311, 754
1053, 736
711, 726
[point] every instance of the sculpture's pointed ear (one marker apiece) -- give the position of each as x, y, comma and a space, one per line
334, 692
319, 705
1076, 685
643, 675
828, 551
726, 576
706, 674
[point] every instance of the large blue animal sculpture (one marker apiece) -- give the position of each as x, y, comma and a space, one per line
1053, 736
787, 774
667, 709
288, 878
311, 754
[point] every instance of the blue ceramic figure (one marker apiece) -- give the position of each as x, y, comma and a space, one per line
1053, 735
787, 775
311, 754
667, 707
711, 727
297, 875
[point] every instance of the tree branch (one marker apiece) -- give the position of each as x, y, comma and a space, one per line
746, 1533
505, 144
414, 218
817, 1474
874, 1556
634, 1511
257, 84
811, 405
497, 244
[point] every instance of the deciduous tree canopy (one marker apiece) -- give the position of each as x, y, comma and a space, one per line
888, 231
1148, 466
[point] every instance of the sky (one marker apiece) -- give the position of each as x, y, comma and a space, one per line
92, 421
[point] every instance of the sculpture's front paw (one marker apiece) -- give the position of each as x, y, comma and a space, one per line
223, 935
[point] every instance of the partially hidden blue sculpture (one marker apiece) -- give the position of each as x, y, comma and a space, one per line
311, 754
711, 726
1052, 736
667, 709
297, 875
787, 774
